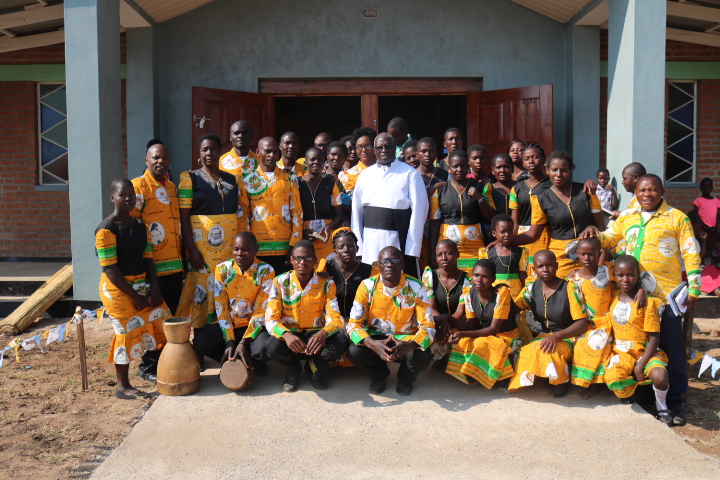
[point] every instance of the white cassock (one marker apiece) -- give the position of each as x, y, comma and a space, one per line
398, 186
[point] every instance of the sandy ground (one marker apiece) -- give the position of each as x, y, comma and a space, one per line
444, 430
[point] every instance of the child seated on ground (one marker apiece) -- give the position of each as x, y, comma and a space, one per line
635, 358
482, 343
707, 212
560, 313
593, 284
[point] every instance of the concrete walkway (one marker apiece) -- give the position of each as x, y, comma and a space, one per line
444, 430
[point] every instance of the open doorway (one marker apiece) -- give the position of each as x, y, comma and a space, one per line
427, 115
308, 116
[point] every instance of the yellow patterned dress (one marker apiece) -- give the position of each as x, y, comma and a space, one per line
592, 349
566, 220
555, 313
486, 359
136, 331
460, 217
349, 177
218, 211
630, 327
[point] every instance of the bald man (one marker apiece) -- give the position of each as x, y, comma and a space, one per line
240, 160
323, 141
275, 209
389, 207
630, 176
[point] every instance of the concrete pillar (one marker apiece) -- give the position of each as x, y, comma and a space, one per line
141, 88
636, 86
92, 57
583, 105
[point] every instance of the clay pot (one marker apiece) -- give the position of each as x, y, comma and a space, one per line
178, 368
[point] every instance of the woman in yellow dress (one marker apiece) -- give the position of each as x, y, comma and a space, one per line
213, 209
129, 288
456, 210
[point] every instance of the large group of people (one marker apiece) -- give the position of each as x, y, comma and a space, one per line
500, 271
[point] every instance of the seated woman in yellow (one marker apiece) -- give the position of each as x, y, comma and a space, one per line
321, 203
567, 209
635, 358
304, 321
457, 208
213, 209
556, 307
446, 289
129, 287
242, 286
391, 321
482, 344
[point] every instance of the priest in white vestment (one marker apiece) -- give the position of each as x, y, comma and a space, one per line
389, 207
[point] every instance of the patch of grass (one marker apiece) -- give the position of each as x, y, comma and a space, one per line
104, 354
55, 457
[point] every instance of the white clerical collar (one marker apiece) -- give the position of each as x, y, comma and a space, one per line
385, 168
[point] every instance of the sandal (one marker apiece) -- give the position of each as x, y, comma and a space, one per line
124, 396
559, 391
664, 416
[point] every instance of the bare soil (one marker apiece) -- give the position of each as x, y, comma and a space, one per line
50, 429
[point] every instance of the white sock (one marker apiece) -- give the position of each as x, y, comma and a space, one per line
660, 396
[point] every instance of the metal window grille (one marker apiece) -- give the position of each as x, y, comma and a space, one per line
52, 134
681, 132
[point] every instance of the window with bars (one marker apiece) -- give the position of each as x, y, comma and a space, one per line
681, 138
52, 128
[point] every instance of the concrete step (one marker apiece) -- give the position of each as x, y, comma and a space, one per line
708, 306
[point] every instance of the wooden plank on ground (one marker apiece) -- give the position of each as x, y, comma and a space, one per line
38, 302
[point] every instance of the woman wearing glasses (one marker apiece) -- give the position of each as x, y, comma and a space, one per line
363, 137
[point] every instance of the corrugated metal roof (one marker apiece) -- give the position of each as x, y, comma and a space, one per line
561, 10
161, 10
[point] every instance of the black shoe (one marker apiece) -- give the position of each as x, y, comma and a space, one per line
150, 377
678, 417
261, 369
318, 382
404, 389
376, 388
290, 383
441, 365
665, 417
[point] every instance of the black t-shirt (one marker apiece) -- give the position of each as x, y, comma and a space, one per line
555, 314
566, 221
523, 192
317, 204
211, 197
484, 313
131, 242
447, 303
345, 290
459, 208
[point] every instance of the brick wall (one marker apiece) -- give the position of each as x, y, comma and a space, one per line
32, 223
708, 118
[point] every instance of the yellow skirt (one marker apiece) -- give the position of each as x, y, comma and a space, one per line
468, 239
322, 250
136, 332
590, 355
566, 253
532, 248
483, 359
213, 236
533, 362
621, 365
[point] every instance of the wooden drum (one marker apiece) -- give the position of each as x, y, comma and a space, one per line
178, 368
236, 376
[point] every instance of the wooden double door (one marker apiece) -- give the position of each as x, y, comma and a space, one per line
493, 118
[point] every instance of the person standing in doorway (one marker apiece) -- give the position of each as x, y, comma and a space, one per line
452, 140
390, 206
240, 160
289, 149
322, 142
398, 128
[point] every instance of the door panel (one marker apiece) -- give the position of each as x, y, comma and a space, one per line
222, 108
497, 117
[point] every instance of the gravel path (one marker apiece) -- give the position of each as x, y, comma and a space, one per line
444, 430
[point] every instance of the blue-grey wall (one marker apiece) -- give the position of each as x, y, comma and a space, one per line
230, 44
